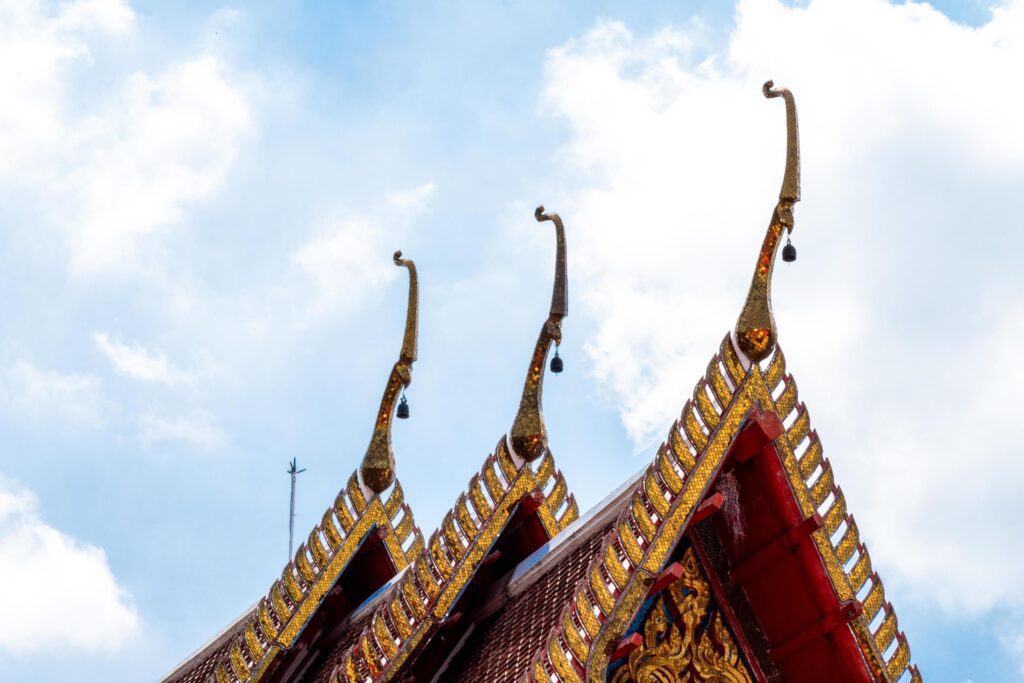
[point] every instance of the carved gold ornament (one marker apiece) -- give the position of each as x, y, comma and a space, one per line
378, 468
755, 330
691, 647
529, 436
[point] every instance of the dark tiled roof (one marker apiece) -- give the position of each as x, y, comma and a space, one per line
203, 662
321, 670
501, 648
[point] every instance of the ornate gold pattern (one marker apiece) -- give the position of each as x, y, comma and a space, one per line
378, 468
424, 595
645, 532
755, 330
275, 624
689, 649
641, 540
529, 436
637, 545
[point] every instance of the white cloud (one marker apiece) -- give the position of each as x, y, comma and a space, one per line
74, 401
36, 48
62, 590
167, 143
199, 430
1013, 642
137, 362
345, 260
130, 167
899, 343
350, 253
413, 199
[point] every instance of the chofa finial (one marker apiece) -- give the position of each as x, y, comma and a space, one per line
378, 468
529, 435
755, 330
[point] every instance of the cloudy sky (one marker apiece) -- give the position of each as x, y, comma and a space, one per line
198, 210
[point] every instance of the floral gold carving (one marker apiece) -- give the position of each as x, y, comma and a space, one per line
681, 642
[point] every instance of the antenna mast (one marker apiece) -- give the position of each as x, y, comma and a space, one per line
292, 470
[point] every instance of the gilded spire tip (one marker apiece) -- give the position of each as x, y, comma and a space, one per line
529, 435
378, 468
560, 291
755, 329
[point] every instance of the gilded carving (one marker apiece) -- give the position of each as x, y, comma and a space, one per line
755, 330
454, 552
529, 435
378, 468
683, 640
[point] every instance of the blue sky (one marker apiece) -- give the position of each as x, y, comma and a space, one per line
199, 210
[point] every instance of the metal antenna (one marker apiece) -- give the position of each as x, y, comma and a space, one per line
292, 470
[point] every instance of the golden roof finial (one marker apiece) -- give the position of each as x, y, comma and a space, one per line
529, 436
755, 329
378, 468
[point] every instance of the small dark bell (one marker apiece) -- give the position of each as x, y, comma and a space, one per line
403, 410
556, 363
789, 252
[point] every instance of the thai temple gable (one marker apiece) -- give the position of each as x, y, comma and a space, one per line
749, 419
730, 557
366, 537
516, 504
520, 508
673, 498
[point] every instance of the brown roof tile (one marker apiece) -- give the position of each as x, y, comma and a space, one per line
501, 648
202, 664
321, 670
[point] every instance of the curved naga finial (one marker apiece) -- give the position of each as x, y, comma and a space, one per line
529, 436
378, 468
755, 329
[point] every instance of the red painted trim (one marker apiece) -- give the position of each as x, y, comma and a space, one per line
491, 558
846, 613
666, 578
530, 502
730, 616
452, 620
626, 645
760, 430
707, 508
783, 543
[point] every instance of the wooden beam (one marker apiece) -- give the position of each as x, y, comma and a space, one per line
847, 612
451, 620
625, 646
785, 542
709, 507
666, 578
760, 430
530, 502
490, 559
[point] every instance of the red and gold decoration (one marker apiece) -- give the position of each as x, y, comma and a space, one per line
683, 640
793, 597
421, 602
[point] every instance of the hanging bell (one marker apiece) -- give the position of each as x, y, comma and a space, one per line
403, 409
556, 363
789, 252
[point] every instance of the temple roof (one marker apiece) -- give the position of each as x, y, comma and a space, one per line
517, 503
804, 570
738, 501
253, 644
514, 621
669, 500
364, 539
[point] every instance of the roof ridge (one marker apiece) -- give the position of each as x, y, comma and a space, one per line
535, 566
420, 600
661, 505
278, 618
